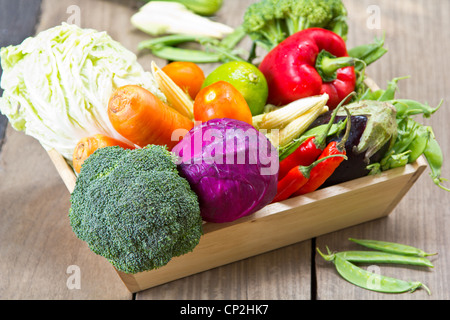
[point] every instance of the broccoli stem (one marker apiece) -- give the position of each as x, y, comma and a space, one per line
273, 34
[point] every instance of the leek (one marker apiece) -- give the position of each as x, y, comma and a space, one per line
160, 17
201, 7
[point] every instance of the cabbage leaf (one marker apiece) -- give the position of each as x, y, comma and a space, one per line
57, 84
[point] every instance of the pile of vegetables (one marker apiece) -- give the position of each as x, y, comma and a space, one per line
158, 153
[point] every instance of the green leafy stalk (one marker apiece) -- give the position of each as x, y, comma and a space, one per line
211, 51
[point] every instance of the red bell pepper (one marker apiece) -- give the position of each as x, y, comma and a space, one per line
308, 63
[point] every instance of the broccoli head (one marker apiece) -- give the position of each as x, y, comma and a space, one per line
268, 22
133, 208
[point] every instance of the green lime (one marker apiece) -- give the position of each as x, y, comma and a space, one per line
247, 79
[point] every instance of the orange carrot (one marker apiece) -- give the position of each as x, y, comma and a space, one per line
87, 146
142, 118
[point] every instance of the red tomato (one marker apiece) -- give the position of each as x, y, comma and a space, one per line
187, 75
221, 100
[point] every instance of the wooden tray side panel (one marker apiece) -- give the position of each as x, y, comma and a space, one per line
64, 169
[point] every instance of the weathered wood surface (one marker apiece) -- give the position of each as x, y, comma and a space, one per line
38, 248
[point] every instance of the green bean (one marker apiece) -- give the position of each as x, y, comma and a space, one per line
392, 247
372, 281
375, 257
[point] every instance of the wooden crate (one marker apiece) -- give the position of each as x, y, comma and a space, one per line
278, 224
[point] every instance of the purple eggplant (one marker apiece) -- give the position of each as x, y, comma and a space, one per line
373, 130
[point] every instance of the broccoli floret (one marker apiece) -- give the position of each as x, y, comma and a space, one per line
268, 22
262, 22
133, 208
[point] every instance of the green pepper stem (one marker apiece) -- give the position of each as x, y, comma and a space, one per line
341, 145
330, 65
321, 139
327, 65
306, 170
327, 257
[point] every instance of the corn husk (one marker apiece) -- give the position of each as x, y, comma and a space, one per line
281, 117
282, 125
176, 97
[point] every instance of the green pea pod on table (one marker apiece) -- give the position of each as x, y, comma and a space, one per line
369, 280
374, 257
391, 247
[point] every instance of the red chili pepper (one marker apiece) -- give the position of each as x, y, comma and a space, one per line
296, 178
304, 155
308, 151
308, 63
323, 170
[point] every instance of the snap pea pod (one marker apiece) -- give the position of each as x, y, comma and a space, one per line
392, 247
408, 107
399, 154
211, 51
374, 257
394, 160
406, 129
181, 54
435, 159
171, 40
389, 93
419, 143
369, 53
372, 281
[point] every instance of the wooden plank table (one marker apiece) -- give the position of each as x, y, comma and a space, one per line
39, 252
